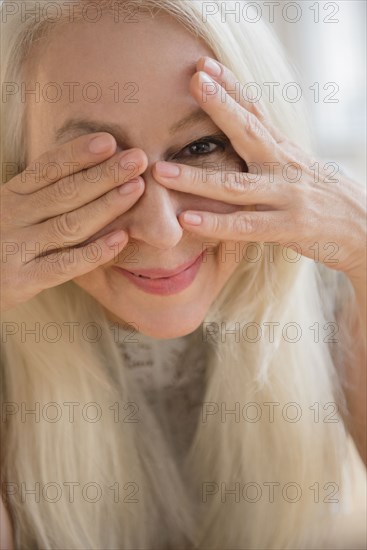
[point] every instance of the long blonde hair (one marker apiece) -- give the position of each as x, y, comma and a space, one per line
274, 464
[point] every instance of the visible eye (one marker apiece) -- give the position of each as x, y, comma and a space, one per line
204, 146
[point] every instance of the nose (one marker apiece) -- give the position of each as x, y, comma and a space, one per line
153, 218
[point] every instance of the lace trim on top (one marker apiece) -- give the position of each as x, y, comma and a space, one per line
171, 374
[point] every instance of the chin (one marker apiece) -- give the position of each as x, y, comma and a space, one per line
165, 325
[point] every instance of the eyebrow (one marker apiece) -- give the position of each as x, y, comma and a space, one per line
86, 125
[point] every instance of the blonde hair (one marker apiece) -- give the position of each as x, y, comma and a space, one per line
271, 370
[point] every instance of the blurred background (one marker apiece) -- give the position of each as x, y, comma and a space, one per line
326, 41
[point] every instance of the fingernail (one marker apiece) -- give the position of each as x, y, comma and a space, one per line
167, 169
129, 187
192, 219
101, 144
212, 67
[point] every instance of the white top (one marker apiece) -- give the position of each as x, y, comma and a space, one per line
172, 375
171, 372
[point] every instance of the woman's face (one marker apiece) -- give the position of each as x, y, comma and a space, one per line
159, 57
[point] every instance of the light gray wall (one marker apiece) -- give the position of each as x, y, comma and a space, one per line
332, 52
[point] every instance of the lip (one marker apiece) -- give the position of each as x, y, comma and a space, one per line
160, 273
164, 285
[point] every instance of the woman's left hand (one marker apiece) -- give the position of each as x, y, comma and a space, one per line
319, 215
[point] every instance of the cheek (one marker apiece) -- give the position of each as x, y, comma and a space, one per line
92, 282
230, 255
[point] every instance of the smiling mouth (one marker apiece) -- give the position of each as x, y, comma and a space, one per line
159, 273
163, 282
155, 278
143, 277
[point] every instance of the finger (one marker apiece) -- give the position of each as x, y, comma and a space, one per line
221, 74
61, 161
79, 225
251, 140
240, 226
47, 271
79, 189
227, 186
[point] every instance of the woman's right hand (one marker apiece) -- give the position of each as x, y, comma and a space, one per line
54, 210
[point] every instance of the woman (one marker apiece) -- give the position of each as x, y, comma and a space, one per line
215, 406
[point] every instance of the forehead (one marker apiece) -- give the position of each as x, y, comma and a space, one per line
135, 71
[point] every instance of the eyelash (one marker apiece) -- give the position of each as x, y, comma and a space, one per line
220, 142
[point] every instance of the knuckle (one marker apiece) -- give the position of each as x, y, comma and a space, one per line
215, 224
235, 113
247, 119
197, 177
50, 159
253, 126
64, 264
107, 201
66, 189
66, 225
233, 183
45, 166
243, 225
